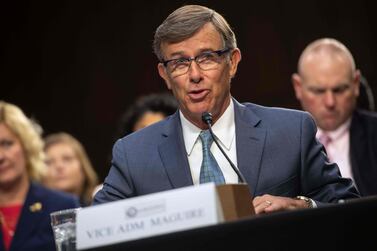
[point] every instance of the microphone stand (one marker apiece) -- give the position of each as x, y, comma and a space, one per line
207, 118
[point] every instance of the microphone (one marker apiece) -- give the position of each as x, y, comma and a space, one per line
207, 118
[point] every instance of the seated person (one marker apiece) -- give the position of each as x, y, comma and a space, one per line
275, 149
69, 168
328, 85
25, 205
145, 111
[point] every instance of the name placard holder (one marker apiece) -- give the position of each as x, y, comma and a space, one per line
148, 215
236, 201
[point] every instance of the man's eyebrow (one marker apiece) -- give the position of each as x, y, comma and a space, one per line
313, 87
341, 85
182, 53
177, 53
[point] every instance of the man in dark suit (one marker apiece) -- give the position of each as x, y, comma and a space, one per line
275, 149
327, 85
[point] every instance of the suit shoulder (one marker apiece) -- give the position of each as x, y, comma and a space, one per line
273, 112
367, 116
281, 122
54, 198
364, 122
147, 134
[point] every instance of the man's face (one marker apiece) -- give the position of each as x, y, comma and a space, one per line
327, 89
198, 90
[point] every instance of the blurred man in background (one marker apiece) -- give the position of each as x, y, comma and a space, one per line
327, 85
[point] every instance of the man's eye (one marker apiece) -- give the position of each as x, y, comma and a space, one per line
340, 89
205, 57
180, 61
317, 91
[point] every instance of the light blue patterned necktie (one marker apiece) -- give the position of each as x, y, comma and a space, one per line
210, 170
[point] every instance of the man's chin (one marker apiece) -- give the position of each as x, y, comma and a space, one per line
199, 109
329, 126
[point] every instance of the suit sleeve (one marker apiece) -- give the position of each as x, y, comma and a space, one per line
118, 183
320, 179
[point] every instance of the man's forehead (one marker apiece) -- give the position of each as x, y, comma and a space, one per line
205, 39
320, 62
326, 75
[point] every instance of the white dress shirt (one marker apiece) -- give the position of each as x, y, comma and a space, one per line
225, 132
339, 147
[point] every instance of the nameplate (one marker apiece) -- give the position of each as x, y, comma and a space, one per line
148, 215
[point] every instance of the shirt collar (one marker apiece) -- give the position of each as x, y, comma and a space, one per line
224, 129
337, 133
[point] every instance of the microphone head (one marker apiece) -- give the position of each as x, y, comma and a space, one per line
207, 117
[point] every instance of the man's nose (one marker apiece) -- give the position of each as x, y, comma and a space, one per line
329, 99
195, 72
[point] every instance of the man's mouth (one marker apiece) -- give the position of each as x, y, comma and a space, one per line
198, 95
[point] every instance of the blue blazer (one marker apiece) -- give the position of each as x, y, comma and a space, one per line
33, 231
277, 152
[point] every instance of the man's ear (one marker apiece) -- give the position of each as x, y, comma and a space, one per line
356, 82
297, 85
235, 58
163, 74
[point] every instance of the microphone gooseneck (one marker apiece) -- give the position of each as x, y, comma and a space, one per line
207, 118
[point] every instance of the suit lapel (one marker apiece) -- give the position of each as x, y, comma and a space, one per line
173, 154
360, 162
31, 214
250, 144
356, 138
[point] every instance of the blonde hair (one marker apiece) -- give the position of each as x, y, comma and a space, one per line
29, 134
90, 176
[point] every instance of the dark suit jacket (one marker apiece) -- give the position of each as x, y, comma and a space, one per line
363, 151
34, 232
276, 152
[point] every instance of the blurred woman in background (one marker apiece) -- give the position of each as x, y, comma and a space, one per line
25, 206
146, 110
69, 168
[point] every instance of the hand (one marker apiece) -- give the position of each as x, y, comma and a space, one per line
269, 203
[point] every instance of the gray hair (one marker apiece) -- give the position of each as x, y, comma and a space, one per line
184, 22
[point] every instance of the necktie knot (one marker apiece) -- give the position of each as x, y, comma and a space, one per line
206, 138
